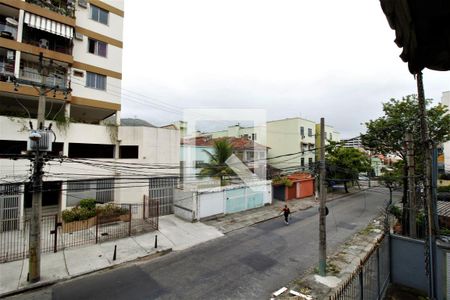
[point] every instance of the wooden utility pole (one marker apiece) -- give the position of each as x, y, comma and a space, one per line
411, 184
34, 262
322, 209
427, 147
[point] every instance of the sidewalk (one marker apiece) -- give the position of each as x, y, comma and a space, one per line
174, 234
231, 222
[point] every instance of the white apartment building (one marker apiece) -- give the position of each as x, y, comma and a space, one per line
80, 43
292, 141
354, 143
257, 134
445, 100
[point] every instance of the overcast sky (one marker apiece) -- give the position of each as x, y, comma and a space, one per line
331, 59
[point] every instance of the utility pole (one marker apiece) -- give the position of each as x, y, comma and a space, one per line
34, 267
322, 209
411, 184
427, 145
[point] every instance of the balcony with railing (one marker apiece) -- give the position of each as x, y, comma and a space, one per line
7, 59
52, 79
57, 73
63, 7
8, 22
7, 30
46, 40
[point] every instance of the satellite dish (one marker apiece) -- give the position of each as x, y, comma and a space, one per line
11, 21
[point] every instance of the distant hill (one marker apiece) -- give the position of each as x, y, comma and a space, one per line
135, 122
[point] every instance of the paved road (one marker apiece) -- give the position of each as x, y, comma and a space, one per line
246, 264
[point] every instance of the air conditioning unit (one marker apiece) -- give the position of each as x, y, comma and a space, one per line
79, 36
43, 43
44, 144
82, 3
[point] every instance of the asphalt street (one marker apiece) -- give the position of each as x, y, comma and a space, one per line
249, 263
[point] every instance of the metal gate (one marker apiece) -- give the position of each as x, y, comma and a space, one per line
161, 190
9, 207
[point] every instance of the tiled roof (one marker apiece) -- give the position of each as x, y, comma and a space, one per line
443, 208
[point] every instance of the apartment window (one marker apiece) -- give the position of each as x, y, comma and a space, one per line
302, 131
310, 161
96, 81
250, 155
79, 150
254, 136
97, 47
12, 147
99, 15
129, 152
310, 132
302, 162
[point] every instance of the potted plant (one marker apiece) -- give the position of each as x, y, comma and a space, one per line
80, 217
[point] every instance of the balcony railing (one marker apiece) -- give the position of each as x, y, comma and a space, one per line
6, 71
52, 79
51, 46
63, 7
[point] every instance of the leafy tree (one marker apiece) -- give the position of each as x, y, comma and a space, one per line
217, 167
386, 134
344, 164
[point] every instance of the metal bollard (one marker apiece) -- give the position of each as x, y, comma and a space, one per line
156, 241
115, 251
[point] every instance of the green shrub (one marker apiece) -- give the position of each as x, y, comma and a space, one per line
445, 231
88, 204
110, 210
445, 176
84, 211
444, 189
396, 211
68, 215
281, 180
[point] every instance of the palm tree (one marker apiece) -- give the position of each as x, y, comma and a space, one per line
217, 166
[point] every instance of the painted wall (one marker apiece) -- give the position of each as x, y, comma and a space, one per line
211, 202
408, 265
283, 137
112, 62
114, 29
407, 259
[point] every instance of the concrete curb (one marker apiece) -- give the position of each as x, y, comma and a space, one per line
48, 283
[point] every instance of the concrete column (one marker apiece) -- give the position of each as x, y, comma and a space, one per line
67, 110
117, 120
20, 26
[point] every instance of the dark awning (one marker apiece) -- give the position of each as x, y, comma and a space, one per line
422, 29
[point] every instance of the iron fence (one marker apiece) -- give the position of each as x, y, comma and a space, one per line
57, 235
371, 278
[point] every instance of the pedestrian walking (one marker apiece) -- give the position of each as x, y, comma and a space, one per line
286, 212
